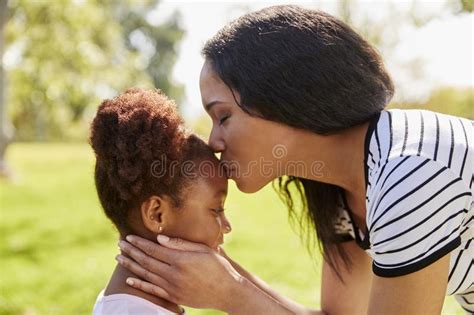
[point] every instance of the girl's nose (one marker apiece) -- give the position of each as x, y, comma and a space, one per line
227, 227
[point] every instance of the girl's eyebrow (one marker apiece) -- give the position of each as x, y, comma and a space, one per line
221, 192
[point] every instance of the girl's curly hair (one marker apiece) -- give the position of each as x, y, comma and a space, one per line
135, 136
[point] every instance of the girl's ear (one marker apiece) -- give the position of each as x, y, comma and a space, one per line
155, 213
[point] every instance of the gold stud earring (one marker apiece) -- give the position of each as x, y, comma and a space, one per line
160, 229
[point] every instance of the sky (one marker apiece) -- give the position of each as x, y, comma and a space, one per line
444, 44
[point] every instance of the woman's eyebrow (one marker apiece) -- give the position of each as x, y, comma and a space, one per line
208, 106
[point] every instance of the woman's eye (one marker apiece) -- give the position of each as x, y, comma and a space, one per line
223, 119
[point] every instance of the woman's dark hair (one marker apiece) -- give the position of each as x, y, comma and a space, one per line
140, 143
309, 70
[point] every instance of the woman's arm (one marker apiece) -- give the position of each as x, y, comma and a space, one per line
351, 295
421, 292
196, 276
362, 292
259, 283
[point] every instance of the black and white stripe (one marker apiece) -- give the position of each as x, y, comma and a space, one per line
419, 171
421, 197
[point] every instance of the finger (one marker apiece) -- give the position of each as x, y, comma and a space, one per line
149, 288
151, 248
156, 277
147, 262
180, 244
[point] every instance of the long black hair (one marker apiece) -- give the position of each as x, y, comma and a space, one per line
309, 70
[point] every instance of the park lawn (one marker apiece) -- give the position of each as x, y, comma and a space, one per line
57, 249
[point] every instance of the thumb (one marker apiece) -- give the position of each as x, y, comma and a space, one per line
180, 244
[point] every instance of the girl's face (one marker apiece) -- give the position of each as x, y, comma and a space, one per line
253, 150
201, 218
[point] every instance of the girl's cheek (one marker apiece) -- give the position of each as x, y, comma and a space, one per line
219, 222
219, 226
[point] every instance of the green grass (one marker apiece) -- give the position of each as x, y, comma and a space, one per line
57, 249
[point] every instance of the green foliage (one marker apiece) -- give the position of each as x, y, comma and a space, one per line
467, 5
461, 6
447, 100
57, 249
159, 42
70, 55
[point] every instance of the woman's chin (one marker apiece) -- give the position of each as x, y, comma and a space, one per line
247, 186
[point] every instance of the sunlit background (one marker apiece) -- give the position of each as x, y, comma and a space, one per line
61, 58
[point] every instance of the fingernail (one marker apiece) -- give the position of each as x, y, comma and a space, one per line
129, 281
129, 238
121, 244
163, 238
119, 259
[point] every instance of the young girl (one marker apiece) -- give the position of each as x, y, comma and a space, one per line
153, 177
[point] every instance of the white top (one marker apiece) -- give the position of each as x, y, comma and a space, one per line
419, 177
127, 304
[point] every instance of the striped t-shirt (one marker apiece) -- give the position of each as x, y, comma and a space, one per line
419, 177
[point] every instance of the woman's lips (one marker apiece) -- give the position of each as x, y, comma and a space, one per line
227, 169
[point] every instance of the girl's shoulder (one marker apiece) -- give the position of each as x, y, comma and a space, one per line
127, 304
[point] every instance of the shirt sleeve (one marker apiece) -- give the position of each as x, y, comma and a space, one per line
415, 217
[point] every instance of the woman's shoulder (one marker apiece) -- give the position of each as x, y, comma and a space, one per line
444, 139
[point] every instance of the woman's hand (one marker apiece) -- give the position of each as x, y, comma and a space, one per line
182, 272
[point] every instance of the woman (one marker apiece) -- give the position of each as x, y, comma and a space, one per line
132, 133
391, 205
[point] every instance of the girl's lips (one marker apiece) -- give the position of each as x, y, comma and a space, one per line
221, 240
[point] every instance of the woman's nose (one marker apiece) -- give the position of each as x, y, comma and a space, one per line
215, 142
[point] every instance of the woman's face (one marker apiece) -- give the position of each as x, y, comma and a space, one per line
201, 218
253, 149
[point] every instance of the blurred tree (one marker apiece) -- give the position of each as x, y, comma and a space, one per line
449, 100
381, 30
64, 57
467, 5
6, 131
453, 101
157, 42
460, 6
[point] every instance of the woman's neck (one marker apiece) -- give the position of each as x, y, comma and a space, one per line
340, 157
117, 285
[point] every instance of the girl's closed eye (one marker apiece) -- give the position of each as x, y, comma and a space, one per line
218, 210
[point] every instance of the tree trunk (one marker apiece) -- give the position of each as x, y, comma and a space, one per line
6, 130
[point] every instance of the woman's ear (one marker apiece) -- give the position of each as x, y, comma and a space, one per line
155, 212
